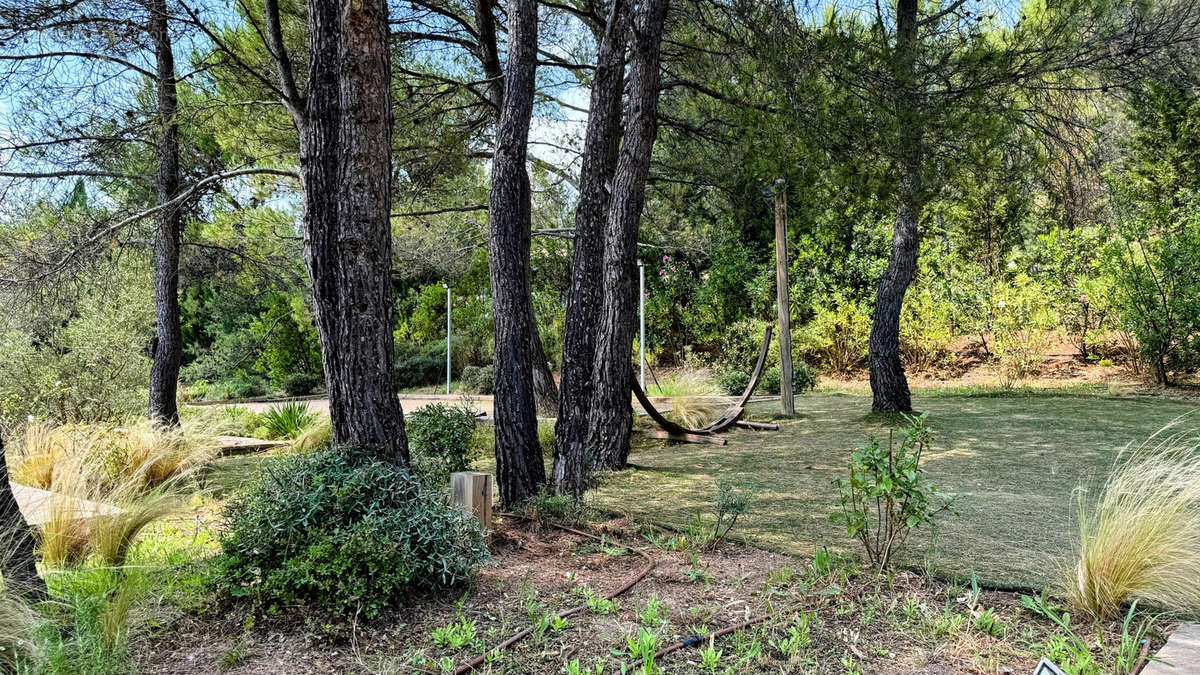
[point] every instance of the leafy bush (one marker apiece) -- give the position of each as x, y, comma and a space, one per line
1024, 317
287, 340
479, 379
288, 420
804, 377
733, 382
886, 495
420, 366
339, 530
83, 362
240, 385
837, 335
926, 330
1138, 537
439, 436
301, 384
769, 382
1158, 288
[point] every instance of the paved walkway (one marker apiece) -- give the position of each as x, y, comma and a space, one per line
1182, 652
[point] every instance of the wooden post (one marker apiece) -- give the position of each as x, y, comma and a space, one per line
786, 395
471, 492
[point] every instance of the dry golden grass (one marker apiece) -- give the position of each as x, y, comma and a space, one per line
1140, 539
314, 436
145, 472
690, 392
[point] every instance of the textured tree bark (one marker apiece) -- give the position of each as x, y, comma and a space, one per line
168, 343
20, 563
600, 148
545, 392
889, 387
345, 141
611, 416
519, 467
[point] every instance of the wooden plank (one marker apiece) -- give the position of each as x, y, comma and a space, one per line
684, 437
758, 426
471, 492
237, 445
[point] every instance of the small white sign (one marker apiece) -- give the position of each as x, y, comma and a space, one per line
1044, 667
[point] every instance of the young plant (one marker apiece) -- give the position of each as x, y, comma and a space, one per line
730, 505
642, 647
455, 635
710, 658
655, 614
886, 496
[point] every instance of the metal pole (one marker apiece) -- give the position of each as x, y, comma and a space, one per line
448, 306
642, 319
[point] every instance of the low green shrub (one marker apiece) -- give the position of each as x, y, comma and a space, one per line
302, 384
733, 382
343, 532
769, 382
479, 379
804, 377
288, 420
439, 437
238, 386
886, 495
420, 366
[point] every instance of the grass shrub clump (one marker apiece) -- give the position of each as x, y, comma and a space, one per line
1139, 538
440, 439
340, 531
690, 392
288, 420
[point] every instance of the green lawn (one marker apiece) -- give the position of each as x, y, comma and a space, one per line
1015, 462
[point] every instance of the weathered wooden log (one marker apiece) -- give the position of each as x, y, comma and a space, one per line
684, 437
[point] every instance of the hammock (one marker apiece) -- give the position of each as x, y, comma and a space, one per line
727, 419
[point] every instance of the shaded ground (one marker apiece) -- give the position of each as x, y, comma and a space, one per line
1014, 460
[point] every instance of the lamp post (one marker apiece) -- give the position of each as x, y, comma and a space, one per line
642, 319
448, 305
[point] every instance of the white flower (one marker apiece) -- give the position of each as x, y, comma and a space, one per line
1000, 304
30, 418
1012, 264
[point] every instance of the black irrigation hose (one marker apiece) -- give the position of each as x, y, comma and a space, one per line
633, 581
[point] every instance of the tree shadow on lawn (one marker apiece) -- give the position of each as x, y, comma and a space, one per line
1015, 464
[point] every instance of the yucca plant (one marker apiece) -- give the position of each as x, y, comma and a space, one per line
288, 420
1140, 537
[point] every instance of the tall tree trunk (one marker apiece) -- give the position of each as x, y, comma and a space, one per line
345, 145
519, 466
545, 391
600, 148
20, 562
168, 343
889, 387
612, 410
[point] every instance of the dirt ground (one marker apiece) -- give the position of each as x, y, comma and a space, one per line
901, 624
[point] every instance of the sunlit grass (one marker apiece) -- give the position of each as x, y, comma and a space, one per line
691, 393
